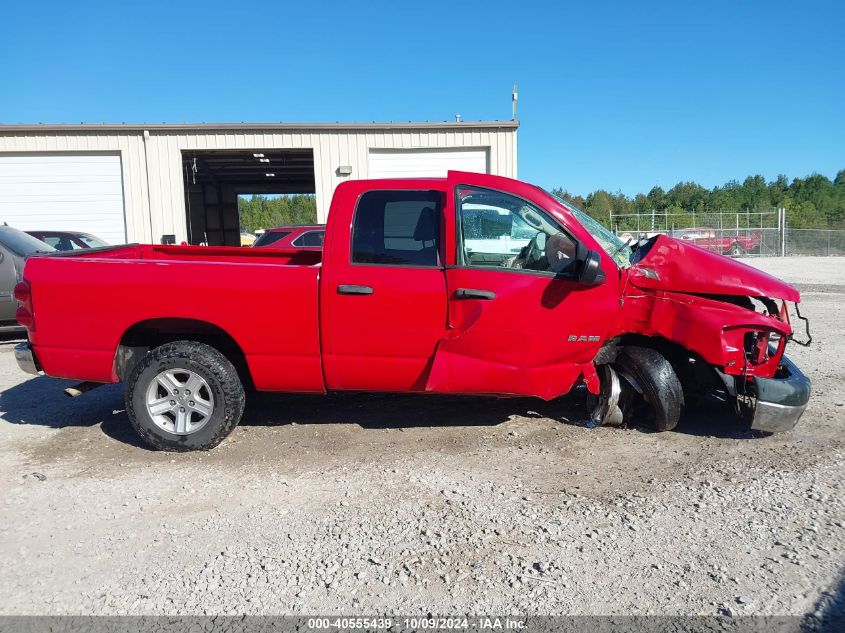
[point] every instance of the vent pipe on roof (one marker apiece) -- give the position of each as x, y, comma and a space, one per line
147, 173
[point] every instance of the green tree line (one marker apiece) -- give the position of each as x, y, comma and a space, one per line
812, 202
265, 212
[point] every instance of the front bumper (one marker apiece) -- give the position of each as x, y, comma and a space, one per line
26, 358
780, 400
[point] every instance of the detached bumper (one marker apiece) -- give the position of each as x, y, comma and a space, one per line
26, 358
780, 400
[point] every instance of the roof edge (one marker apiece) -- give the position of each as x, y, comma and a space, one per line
167, 127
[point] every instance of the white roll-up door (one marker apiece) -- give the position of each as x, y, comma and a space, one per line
63, 192
425, 163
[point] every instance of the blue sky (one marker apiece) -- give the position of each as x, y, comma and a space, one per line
620, 96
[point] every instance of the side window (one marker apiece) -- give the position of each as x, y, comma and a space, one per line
504, 231
311, 238
397, 228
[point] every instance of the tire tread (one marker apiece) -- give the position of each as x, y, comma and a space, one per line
217, 365
659, 382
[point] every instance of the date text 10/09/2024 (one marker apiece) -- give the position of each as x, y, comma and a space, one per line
416, 623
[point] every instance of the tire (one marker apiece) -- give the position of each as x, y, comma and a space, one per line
737, 250
654, 393
216, 407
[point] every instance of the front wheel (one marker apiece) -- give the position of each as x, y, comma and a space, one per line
184, 396
653, 393
737, 250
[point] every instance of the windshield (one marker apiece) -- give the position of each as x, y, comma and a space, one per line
612, 245
22, 243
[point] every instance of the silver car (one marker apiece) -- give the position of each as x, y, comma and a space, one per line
15, 247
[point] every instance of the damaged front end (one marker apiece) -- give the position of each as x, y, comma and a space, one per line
779, 401
733, 316
766, 386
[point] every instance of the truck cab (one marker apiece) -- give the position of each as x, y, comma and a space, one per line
461, 285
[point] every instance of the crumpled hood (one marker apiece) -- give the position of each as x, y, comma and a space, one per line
682, 267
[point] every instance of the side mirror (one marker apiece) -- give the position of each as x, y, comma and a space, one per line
591, 273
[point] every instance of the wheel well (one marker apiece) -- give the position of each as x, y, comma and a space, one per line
695, 373
147, 335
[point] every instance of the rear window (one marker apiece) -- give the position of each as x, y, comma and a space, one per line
270, 238
397, 228
61, 243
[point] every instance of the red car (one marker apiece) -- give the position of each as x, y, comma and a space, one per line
308, 237
726, 241
469, 284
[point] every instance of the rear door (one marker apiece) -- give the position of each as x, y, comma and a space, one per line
385, 299
519, 322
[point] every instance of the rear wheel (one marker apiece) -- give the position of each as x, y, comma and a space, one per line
184, 396
651, 392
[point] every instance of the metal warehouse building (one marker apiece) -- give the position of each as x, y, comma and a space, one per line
146, 183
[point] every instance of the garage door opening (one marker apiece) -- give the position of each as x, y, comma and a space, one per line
218, 182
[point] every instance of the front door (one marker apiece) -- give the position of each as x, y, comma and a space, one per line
386, 305
519, 322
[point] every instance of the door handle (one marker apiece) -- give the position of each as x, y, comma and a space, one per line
472, 293
351, 289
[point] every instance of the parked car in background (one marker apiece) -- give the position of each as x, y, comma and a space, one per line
724, 242
68, 240
248, 239
307, 237
15, 247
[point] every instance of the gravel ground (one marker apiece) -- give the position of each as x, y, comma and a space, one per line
395, 504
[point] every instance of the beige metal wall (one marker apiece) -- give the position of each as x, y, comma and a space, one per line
155, 205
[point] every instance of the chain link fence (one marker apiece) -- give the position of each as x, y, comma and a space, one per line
763, 233
814, 242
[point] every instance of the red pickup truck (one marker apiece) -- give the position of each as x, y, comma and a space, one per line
726, 241
469, 284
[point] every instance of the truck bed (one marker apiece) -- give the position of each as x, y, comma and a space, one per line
84, 304
229, 254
